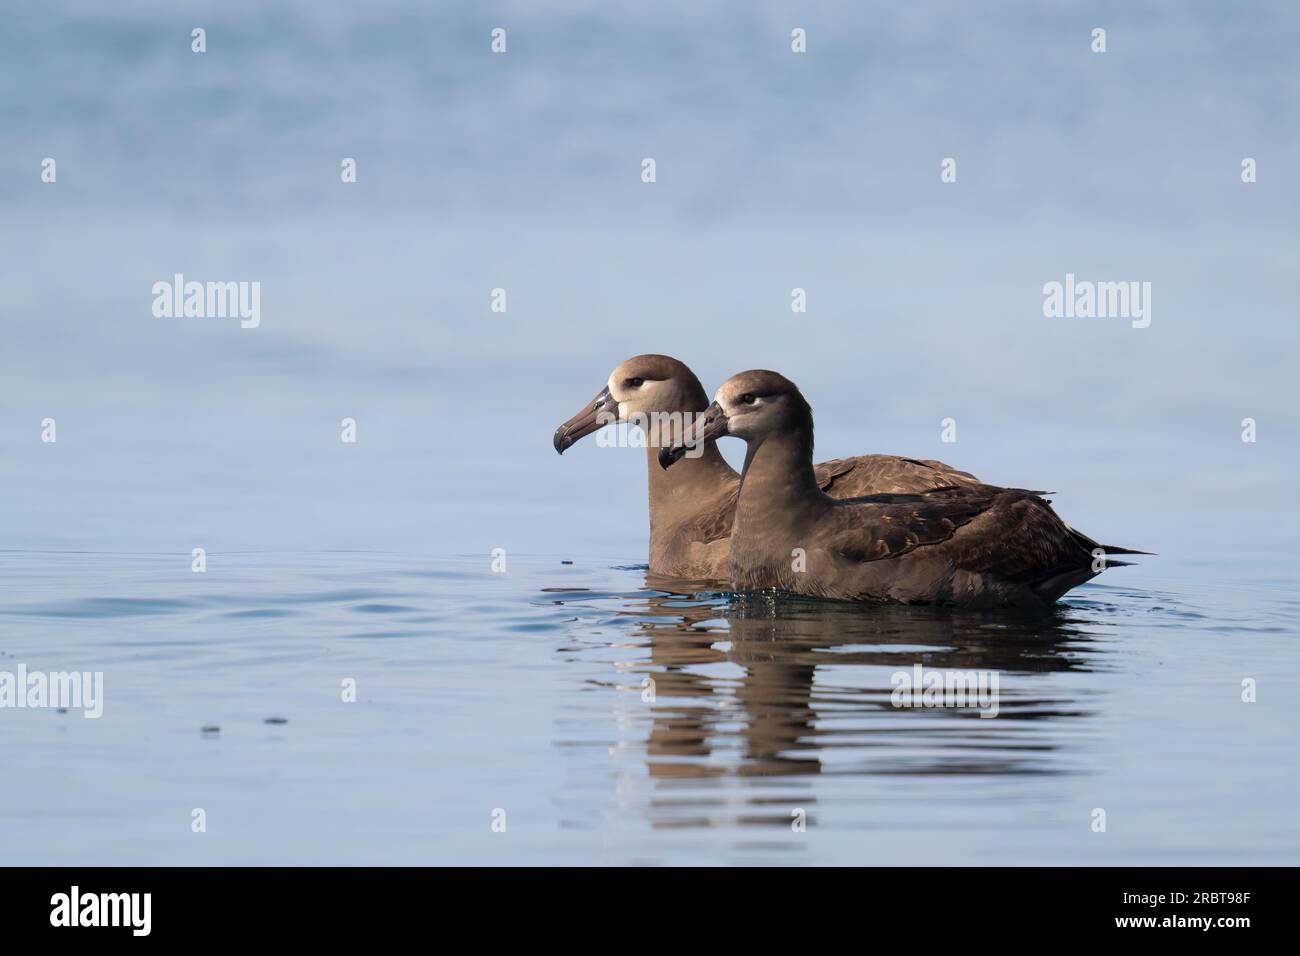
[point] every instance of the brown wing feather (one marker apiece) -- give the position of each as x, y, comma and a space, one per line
1017, 537
875, 527
885, 474
1024, 541
713, 524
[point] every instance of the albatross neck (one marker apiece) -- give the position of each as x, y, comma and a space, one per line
688, 477
692, 484
778, 478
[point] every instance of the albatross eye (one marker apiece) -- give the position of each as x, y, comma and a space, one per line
636, 382
747, 399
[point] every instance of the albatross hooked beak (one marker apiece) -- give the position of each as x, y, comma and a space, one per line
600, 411
707, 426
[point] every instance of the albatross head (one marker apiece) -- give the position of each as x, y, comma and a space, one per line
642, 386
749, 405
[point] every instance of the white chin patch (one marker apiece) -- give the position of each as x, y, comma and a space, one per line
622, 411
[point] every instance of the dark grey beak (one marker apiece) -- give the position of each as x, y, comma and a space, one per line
708, 425
597, 413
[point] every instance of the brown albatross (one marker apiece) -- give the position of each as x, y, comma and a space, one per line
693, 506
968, 544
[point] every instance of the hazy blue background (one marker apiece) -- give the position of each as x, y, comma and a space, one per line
479, 690
775, 170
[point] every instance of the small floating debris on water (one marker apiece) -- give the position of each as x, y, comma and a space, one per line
276, 720
62, 710
565, 589
209, 729
566, 562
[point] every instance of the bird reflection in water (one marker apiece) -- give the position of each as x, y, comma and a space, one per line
775, 686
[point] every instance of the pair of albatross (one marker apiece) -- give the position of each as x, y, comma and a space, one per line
872, 528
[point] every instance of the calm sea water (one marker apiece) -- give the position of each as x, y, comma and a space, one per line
525, 697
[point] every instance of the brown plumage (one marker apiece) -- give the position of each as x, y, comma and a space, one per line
968, 543
692, 507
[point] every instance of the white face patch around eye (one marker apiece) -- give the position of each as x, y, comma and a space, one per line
613, 391
639, 397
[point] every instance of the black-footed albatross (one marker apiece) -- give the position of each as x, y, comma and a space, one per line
693, 506
971, 544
